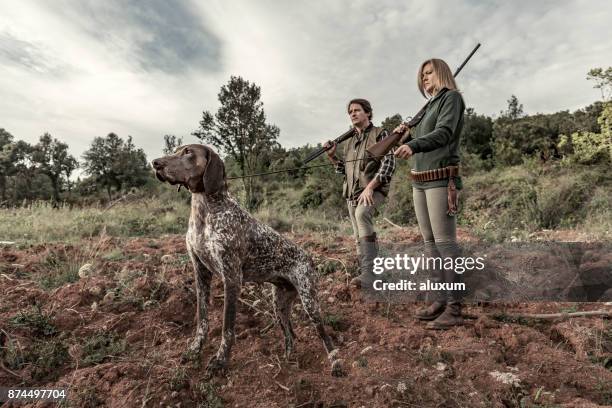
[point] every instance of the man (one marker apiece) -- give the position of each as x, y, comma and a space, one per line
366, 182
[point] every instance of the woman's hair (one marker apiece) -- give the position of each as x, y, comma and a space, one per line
365, 105
443, 76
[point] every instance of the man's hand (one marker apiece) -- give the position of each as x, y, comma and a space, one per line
403, 152
366, 197
331, 148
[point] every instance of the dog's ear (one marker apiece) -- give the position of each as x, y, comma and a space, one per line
214, 173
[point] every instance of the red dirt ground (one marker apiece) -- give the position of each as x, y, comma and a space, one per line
391, 359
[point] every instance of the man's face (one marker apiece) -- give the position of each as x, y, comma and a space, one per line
357, 115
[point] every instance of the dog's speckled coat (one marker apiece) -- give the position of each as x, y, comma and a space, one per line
223, 238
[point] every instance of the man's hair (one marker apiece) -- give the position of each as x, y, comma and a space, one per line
365, 105
444, 76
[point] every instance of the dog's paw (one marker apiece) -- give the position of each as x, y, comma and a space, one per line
216, 366
337, 369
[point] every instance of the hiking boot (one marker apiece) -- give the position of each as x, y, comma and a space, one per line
368, 249
449, 318
431, 312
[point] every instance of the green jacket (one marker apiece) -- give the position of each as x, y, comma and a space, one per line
435, 140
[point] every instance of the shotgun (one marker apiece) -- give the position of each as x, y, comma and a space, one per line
381, 148
338, 140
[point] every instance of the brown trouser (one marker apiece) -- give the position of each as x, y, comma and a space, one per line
439, 231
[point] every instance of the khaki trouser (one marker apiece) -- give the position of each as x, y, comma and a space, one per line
439, 231
361, 217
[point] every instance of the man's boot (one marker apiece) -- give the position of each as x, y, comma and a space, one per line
368, 248
449, 318
436, 275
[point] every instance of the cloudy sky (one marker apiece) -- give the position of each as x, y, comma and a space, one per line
83, 68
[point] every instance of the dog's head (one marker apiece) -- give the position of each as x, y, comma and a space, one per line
194, 166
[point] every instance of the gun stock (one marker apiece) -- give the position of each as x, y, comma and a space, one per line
381, 148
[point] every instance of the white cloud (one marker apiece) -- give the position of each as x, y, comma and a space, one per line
309, 58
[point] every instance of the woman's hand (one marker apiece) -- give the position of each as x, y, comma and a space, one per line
403, 152
402, 128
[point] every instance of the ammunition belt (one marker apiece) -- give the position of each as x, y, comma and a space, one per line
435, 174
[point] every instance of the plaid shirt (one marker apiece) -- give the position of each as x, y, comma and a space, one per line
387, 166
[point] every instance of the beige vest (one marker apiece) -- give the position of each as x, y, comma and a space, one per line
360, 172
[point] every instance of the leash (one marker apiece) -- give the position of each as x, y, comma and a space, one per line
299, 168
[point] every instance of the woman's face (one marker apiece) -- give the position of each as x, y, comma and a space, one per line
429, 79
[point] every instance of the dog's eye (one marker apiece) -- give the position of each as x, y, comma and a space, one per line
187, 151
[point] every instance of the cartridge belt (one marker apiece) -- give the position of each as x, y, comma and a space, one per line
435, 174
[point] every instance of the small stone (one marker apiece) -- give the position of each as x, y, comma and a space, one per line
401, 387
109, 297
440, 366
331, 299
85, 270
149, 303
95, 290
366, 350
386, 387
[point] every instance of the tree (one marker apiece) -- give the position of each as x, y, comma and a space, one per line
239, 129
50, 156
515, 109
603, 81
171, 142
6, 165
477, 134
392, 122
21, 169
112, 162
590, 147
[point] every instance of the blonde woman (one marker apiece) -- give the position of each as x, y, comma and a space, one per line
435, 178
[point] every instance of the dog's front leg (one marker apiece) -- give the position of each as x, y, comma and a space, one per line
203, 277
231, 287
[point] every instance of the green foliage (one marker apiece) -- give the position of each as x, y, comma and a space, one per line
171, 142
44, 357
312, 197
208, 396
179, 379
399, 207
35, 321
41, 223
603, 81
477, 134
51, 158
590, 147
239, 129
335, 322
328, 266
392, 122
101, 346
59, 274
115, 163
